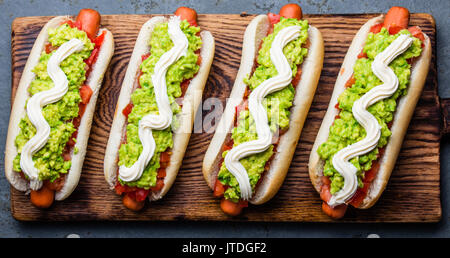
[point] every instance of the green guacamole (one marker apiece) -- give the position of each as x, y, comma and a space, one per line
277, 106
144, 101
49, 160
346, 130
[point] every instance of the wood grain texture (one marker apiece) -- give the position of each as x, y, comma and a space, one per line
412, 195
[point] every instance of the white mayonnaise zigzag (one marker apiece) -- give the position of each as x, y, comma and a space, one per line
39, 100
258, 112
373, 130
162, 120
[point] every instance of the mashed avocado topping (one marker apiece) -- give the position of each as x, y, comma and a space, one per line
346, 130
49, 160
144, 101
276, 104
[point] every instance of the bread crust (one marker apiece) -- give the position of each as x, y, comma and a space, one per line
402, 116
311, 68
18, 110
191, 102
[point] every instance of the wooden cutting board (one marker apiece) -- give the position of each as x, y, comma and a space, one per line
412, 195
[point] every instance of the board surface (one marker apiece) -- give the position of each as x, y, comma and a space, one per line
412, 194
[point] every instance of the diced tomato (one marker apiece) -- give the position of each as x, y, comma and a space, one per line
394, 29
184, 86
274, 18
337, 117
350, 82
71, 141
219, 189
199, 59
239, 108
120, 189
93, 57
66, 155
376, 28
49, 48
246, 93
85, 94
141, 194
369, 175
297, 77
359, 196
73, 24
81, 109
228, 145
161, 173
381, 151
159, 185
127, 110
56, 185
77, 120
165, 157
417, 32
337, 106
98, 41
362, 54
145, 56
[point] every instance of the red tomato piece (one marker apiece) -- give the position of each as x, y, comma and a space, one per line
184, 86
350, 82
376, 28
85, 94
159, 185
98, 41
120, 189
228, 145
161, 173
165, 157
369, 175
141, 194
359, 196
219, 189
92, 58
297, 77
274, 18
145, 56
127, 110
49, 48
417, 32
362, 54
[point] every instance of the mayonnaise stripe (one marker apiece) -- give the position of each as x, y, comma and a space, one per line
39, 100
259, 113
373, 130
162, 120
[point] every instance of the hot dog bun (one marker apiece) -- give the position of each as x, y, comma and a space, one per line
18, 109
192, 99
311, 68
402, 116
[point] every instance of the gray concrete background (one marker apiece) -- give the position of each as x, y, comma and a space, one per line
9, 227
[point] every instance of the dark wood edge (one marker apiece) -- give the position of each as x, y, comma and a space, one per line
445, 111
